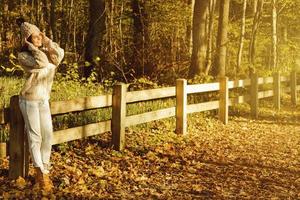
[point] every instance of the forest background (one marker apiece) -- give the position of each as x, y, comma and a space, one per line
157, 41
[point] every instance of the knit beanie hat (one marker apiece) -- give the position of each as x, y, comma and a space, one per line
27, 29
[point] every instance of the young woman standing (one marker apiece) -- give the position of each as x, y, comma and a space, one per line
39, 57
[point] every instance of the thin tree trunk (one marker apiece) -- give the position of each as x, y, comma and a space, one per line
212, 7
5, 21
53, 19
122, 53
64, 24
174, 45
285, 33
111, 28
68, 42
198, 58
137, 56
189, 37
74, 34
95, 33
1, 25
243, 29
121, 35
32, 10
59, 32
274, 34
255, 26
222, 38
37, 13
140, 38
254, 7
46, 16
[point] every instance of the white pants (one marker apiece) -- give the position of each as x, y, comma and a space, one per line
38, 125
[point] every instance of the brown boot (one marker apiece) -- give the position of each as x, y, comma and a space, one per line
47, 183
38, 177
42, 181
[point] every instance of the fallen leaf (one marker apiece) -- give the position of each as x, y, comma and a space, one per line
20, 183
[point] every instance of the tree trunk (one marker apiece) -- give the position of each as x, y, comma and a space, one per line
212, 7
53, 19
122, 52
285, 33
32, 10
5, 22
222, 41
174, 45
254, 7
140, 38
110, 30
243, 28
46, 16
64, 24
2, 25
37, 13
274, 34
95, 33
198, 58
189, 34
74, 34
69, 25
255, 26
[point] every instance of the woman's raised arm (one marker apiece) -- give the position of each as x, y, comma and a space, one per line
56, 53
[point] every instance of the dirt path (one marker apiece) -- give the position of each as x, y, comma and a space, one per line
246, 159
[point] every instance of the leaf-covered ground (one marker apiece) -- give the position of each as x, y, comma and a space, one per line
246, 159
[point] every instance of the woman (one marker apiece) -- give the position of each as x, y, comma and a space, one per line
39, 58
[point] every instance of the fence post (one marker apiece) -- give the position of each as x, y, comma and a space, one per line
276, 90
118, 116
18, 144
224, 99
3, 152
254, 95
294, 87
181, 106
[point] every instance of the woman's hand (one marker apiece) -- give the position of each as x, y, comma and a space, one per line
43, 36
40, 57
29, 44
45, 39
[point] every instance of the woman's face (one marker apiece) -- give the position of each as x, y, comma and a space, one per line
36, 39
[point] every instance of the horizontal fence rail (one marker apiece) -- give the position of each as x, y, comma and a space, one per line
150, 116
75, 133
200, 107
199, 88
120, 98
146, 95
80, 104
239, 83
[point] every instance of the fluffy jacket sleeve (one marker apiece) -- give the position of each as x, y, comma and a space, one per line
56, 54
28, 62
33, 60
36, 59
